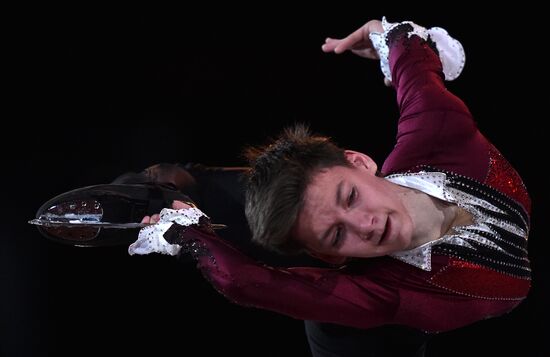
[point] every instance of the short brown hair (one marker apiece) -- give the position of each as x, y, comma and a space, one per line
279, 175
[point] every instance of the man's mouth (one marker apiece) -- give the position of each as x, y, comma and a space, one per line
386, 232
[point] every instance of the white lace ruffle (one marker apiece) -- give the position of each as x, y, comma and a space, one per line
451, 52
151, 238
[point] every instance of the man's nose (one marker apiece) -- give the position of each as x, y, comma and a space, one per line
364, 226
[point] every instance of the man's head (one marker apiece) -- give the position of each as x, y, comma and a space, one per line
280, 173
307, 194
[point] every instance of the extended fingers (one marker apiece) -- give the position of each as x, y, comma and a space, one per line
336, 45
330, 44
348, 42
341, 45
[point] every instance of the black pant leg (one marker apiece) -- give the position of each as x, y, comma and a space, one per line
330, 340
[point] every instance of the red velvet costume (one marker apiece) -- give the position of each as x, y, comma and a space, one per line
435, 130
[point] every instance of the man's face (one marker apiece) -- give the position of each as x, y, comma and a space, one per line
350, 212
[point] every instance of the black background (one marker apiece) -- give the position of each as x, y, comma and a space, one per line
98, 92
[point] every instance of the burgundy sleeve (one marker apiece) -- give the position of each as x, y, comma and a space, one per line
374, 293
435, 127
328, 295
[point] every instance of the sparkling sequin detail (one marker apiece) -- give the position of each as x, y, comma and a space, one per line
497, 238
450, 51
194, 247
477, 281
502, 176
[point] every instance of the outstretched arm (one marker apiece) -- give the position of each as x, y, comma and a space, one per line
329, 295
382, 291
435, 127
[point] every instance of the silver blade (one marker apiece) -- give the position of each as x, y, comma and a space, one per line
76, 223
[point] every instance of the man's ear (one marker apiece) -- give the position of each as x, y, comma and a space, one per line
358, 159
331, 259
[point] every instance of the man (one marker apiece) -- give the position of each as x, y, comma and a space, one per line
444, 225
435, 241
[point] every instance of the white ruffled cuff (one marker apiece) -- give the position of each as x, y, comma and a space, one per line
151, 238
451, 52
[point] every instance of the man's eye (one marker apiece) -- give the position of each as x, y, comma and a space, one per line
352, 196
337, 237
